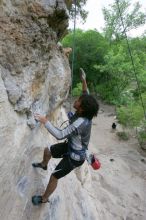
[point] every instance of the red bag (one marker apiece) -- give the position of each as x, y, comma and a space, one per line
95, 163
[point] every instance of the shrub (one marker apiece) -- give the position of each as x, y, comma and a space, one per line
142, 134
77, 91
130, 115
123, 135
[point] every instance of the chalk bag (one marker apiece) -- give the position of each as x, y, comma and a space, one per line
95, 163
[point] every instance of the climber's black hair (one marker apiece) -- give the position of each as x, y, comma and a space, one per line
89, 106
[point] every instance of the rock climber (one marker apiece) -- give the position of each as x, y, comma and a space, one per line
73, 149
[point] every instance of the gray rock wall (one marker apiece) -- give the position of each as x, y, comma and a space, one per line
31, 63
34, 77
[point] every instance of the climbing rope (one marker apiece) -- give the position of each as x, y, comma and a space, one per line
132, 61
73, 54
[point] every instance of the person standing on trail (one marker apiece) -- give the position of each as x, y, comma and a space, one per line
73, 150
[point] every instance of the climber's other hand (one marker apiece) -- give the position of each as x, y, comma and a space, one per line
82, 74
40, 118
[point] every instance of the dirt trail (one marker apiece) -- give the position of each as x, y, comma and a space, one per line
106, 141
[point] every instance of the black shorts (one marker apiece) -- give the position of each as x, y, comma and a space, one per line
66, 165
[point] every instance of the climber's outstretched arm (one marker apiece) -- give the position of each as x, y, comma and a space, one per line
58, 133
84, 83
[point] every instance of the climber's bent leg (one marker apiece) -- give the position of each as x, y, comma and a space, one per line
37, 199
57, 151
65, 166
46, 157
50, 188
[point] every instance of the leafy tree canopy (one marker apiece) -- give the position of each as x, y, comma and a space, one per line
110, 71
90, 47
132, 17
80, 12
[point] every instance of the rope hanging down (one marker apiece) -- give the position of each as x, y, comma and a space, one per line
131, 57
73, 51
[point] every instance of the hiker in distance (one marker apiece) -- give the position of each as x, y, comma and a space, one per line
73, 149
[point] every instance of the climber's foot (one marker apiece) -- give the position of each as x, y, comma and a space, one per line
39, 165
37, 200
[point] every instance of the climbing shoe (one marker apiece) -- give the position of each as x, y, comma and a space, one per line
37, 200
39, 165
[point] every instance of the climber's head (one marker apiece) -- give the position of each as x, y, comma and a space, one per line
86, 106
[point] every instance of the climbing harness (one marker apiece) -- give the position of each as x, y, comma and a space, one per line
77, 154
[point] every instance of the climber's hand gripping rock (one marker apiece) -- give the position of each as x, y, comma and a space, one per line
40, 118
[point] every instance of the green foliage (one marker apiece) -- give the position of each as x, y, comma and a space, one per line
90, 48
142, 134
77, 90
139, 47
130, 115
131, 18
106, 93
80, 12
107, 63
123, 135
116, 74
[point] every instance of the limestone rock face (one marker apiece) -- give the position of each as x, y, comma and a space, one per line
35, 73
34, 77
